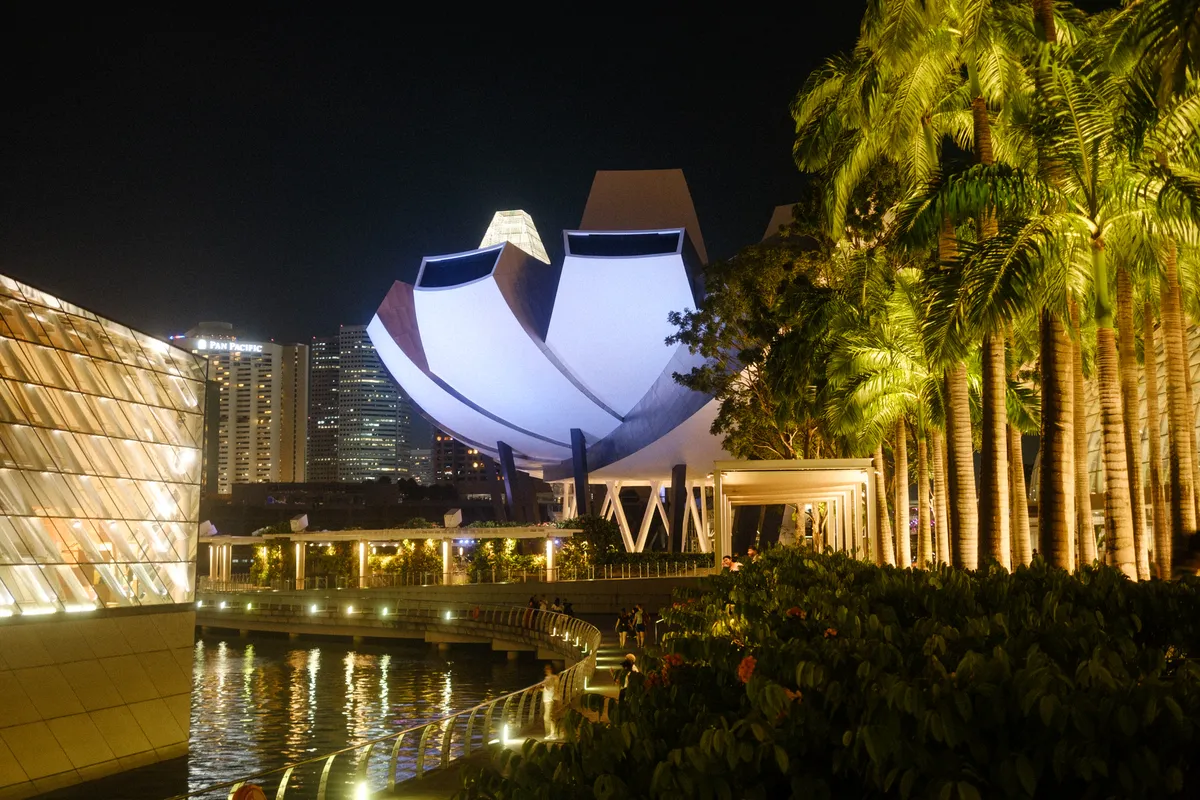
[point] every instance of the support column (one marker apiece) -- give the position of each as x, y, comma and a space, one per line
679, 497
583, 499
298, 556
446, 563
551, 570
508, 471
362, 565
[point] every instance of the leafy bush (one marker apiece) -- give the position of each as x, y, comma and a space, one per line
268, 563
819, 676
410, 556
502, 556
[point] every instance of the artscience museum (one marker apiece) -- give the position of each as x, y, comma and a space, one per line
568, 375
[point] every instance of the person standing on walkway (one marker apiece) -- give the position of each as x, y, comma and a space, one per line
550, 703
639, 624
624, 626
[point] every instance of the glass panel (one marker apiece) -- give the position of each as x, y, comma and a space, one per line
74, 410
64, 450
72, 587
112, 589
29, 589
15, 495
20, 447
21, 320
13, 363
10, 407
47, 364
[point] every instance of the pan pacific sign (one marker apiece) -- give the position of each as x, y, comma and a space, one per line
210, 345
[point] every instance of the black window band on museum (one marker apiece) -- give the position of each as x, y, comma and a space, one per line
457, 270
625, 245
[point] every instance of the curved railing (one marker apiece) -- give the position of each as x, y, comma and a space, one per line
386, 580
438, 742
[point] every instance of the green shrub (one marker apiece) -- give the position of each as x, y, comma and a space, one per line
819, 676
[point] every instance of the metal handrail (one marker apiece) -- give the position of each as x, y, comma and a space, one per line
569, 634
388, 580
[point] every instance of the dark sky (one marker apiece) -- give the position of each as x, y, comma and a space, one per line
281, 175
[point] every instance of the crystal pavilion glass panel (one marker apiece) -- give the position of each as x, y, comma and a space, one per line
101, 430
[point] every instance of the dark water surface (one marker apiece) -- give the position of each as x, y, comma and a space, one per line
262, 702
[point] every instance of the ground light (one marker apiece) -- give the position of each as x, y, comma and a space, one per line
313, 608
448, 615
504, 735
349, 609
361, 791
222, 605
249, 606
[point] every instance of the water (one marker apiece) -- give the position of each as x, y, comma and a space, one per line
259, 703
263, 702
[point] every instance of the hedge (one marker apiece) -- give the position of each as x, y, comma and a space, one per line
818, 676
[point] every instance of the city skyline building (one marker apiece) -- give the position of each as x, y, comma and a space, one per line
420, 465
323, 409
263, 393
374, 424
101, 460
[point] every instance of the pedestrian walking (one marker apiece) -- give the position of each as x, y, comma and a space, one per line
550, 703
624, 626
628, 667
639, 624
556, 606
568, 609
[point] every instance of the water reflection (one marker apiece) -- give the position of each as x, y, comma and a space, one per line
286, 708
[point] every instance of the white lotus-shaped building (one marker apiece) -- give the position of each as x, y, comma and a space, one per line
566, 365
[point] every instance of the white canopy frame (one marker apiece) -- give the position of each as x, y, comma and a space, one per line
846, 486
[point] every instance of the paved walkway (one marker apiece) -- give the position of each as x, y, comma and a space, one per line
444, 783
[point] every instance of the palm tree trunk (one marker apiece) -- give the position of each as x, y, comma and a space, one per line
994, 533
941, 512
1022, 544
1085, 531
960, 450
887, 552
1182, 429
903, 539
960, 470
1043, 15
1127, 354
924, 540
1191, 399
1162, 528
1118, 516
1056, 481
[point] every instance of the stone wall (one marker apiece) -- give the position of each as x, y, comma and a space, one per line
82, 697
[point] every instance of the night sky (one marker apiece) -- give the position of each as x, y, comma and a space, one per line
281, 175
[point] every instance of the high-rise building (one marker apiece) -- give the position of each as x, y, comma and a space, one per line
420, 465
323, 410
374, 415
263, 389
455, 462
101, 428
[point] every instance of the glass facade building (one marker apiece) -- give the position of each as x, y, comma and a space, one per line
101, 433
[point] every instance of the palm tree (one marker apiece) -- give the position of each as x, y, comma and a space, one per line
1085, 534
941, 511
1162, 529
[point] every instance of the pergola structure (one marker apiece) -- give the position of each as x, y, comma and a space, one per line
221, 547
846, 488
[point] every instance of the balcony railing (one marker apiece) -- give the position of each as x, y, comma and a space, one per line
388, 760
389, 580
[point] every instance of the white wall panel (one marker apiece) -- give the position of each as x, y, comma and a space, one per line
448, 410
473, 342
610, 322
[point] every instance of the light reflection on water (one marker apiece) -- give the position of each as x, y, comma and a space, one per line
260, 703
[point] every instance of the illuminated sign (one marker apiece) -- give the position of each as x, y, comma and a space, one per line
233, 347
